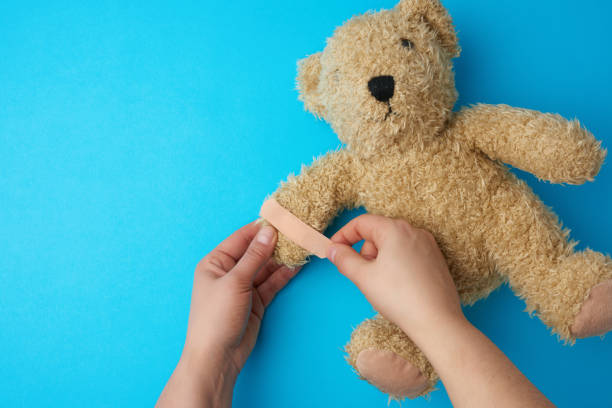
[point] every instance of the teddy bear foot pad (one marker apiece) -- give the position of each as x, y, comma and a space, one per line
391, 373
595, 316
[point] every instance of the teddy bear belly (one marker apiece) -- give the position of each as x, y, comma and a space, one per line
467, 257
456, 210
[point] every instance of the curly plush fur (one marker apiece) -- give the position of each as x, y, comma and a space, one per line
412, 157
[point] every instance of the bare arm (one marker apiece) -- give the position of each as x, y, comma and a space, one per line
315, 196
402, 272
232, 287
475, 372
546, 145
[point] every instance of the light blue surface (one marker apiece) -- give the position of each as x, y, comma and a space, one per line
133, 138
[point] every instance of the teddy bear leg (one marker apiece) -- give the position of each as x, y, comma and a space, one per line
384, 356
570, 291
594, 317
572, 294
575, 296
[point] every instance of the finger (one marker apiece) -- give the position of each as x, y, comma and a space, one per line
278, 280
256, 255
236, 244
347, 260
368, 250
215, 264
264, 273
367, 226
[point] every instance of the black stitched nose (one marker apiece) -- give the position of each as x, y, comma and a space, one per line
381, 87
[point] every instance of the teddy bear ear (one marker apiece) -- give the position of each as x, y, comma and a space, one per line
309, 74
437, 17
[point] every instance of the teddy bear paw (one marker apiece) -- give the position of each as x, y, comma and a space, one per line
595, 316
391, 373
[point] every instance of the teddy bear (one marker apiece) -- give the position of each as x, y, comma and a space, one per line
385, 83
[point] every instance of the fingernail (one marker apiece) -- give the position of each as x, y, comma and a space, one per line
265, 235
332, 253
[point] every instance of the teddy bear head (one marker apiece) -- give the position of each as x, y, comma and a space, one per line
385, 79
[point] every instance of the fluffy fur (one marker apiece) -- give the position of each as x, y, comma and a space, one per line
416, 159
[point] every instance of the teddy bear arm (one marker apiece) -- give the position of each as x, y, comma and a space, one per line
315, 196
547, 145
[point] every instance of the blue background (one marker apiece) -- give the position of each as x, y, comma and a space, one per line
134, 137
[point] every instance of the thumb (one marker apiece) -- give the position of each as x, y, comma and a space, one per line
257, 254
347, 260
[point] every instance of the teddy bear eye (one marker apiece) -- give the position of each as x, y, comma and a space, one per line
407, 43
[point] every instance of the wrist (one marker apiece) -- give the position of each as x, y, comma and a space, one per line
208, 361
435, 327
212, 370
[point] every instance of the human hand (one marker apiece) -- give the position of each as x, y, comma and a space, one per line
232, 286
400, 269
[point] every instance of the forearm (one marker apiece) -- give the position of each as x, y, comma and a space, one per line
197, 382
474, 371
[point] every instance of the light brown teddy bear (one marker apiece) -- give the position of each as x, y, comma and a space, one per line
385, 83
